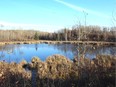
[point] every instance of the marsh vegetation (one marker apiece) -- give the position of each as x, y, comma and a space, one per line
58, 71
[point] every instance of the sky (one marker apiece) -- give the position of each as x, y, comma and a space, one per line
52, 15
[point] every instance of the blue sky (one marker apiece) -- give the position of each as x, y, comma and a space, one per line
51, 15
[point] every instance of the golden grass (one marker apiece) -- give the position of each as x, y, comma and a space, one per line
58, 71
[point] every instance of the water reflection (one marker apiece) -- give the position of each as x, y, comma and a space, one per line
89, 51
17, 53
36, 47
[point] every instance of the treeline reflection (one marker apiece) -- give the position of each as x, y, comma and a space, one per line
70, 50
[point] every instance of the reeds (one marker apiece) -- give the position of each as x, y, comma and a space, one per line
58, 71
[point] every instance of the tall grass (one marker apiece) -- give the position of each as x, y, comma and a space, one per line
58, 71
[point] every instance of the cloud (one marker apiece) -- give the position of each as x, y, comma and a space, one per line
80, 9
41, 27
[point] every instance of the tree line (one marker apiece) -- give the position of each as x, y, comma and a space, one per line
83, 33
78, 32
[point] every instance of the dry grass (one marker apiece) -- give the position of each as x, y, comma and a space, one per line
58, 71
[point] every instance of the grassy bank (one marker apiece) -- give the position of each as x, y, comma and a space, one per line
58, 71
59, 42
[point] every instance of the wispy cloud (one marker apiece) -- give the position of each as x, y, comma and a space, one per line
81, 9
42, 27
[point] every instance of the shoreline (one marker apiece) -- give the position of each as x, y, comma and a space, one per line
60, 42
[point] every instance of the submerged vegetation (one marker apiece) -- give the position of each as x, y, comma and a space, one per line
58, 71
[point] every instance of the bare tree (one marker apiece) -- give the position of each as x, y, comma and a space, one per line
65, 32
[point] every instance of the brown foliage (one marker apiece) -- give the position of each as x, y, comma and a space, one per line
83, 33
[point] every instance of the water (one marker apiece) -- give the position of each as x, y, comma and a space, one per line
19, 52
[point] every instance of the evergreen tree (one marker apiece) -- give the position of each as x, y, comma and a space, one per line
36, 36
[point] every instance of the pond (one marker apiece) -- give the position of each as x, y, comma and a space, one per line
19, 52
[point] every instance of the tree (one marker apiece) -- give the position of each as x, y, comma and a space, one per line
65, 32
36, 36
58, 36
